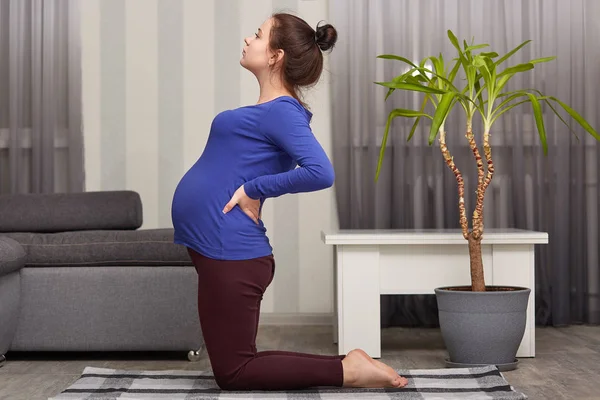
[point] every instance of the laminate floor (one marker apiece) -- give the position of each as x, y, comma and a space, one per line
567, 363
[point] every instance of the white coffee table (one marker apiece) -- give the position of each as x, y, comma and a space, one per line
370, 263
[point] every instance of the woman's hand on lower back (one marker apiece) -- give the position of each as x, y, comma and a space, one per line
249, 206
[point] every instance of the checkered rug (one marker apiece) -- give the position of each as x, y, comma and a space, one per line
457, 383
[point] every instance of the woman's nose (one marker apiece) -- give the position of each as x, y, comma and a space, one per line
246, 41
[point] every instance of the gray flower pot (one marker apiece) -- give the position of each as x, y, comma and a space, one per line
482, 328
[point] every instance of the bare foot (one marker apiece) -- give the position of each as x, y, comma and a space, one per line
383, 366
360, 372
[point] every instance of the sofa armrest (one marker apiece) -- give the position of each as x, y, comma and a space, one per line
12, 255
12, 259
61, 212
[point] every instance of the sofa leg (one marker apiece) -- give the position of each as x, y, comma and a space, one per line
194, 355
2, 360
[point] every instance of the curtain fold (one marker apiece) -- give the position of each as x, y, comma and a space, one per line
41, 146
558, 193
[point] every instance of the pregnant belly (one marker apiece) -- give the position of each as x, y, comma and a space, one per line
194, 210
197, 215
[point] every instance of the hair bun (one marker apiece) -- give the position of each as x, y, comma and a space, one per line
326, 36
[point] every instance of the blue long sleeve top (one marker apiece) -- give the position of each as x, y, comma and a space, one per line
271, 150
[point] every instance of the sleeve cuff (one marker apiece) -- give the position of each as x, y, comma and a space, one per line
250, 189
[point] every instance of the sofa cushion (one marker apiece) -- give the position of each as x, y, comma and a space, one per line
61, 212
145, 247
12, 255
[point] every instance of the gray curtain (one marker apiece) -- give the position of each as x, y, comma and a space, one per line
558, 193
40, 97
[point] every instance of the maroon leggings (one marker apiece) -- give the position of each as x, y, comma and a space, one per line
229, 296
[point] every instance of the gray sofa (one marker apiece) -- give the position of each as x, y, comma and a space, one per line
77, 274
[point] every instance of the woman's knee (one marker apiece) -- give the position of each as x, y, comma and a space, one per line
229, 382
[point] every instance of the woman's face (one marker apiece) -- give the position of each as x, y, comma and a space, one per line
256, 55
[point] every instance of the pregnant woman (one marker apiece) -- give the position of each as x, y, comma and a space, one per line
253, 153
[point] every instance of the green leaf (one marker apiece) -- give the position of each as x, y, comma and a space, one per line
440, 115
416, 80
416, 123
408, 75
482, 67
411, 87
507, 74
476, 47
397, 58
510, 98
541, 60
479, 95
436, 63
513, 92
478, 61
491, 54
539, 120
542, 97
402, 112
502, 81
389, 93
454, 42
510, 53
545, 99
516, 69
454, 71
399, 78
561, 118
575, 115
398, 112
441, 78
491, 67
467, 52
499, 111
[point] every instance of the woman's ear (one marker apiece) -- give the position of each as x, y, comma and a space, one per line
276, 57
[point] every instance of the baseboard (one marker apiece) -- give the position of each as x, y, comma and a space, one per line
295, 318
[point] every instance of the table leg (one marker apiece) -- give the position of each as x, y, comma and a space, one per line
335, 295
358, 299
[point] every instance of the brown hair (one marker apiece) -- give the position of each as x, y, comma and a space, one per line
302, 46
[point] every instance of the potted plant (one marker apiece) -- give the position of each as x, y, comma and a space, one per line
480, 324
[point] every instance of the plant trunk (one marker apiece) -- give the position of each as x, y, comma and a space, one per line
464, 223
482, 187
478, 212
473, 236
477, 278
483, 181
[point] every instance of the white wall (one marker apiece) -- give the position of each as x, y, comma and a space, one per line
155, 73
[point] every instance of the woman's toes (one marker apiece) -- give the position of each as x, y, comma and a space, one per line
401, 381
